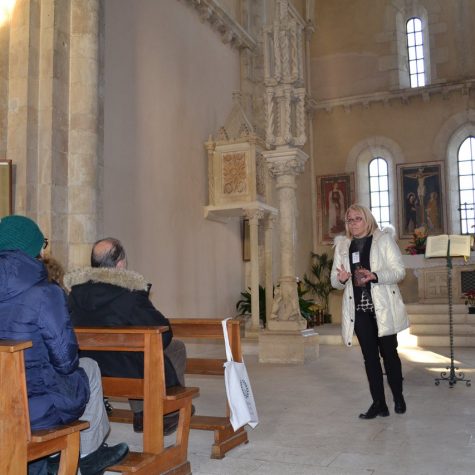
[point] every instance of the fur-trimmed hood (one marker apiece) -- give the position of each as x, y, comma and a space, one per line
124, 278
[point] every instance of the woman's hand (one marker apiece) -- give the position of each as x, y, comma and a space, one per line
342, 274
366, 276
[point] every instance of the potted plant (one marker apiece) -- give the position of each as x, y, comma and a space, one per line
244, 306
319, 281
470, 300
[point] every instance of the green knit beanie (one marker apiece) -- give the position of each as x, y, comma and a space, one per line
20, 232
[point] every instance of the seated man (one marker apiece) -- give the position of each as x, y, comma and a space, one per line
61, 387
107, 294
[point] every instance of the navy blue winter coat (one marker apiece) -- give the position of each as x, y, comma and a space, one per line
33, 309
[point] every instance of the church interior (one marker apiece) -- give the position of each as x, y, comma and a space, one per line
222, 141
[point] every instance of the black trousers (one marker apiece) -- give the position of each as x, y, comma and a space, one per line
372, 347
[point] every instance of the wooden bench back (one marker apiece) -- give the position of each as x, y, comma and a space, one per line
207, 329
225, 438
151, 388
14, 431
18, 444
157, 399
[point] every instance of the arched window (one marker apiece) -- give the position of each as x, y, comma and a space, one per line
466, 179
415, 50
379, 190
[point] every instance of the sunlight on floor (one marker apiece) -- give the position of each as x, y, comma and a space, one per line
418, 355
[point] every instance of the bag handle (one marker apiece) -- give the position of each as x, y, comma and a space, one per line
229, 353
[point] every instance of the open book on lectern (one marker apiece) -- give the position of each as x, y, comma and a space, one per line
437, 246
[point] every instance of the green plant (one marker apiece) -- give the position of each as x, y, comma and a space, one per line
244, 306
319, 281
307, 306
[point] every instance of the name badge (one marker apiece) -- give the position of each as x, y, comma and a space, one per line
355, 257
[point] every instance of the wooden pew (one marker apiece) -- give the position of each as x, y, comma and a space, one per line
18, 443
158, 401
225, 438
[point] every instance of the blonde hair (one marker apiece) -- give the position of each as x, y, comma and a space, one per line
54, 269
369, 219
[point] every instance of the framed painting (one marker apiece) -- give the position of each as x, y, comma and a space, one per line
6, 201
334, 194
421, 193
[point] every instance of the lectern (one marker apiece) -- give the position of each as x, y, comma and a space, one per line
460, 247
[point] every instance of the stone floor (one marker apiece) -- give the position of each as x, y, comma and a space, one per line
309, 424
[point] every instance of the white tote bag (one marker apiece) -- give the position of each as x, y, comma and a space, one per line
238, 389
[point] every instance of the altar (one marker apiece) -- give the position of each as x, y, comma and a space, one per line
426, 279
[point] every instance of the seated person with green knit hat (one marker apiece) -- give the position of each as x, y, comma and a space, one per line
61, 387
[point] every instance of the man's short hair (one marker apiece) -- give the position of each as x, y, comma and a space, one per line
109, 258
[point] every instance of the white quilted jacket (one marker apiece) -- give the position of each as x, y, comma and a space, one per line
386, 262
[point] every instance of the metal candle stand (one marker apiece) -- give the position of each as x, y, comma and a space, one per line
450, 375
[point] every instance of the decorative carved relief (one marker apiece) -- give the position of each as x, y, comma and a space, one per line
283, 77
261, 175
234, 173
231, 31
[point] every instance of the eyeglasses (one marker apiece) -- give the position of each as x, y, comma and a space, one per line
358, 219
45, 243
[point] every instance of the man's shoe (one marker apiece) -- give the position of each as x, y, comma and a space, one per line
138, 422
400, 406
96, 462
108, 406
170, 423
376, 409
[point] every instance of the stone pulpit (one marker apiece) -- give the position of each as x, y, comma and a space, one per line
240, 187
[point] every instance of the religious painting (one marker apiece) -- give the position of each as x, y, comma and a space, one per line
334, 195
421, 192
5, 187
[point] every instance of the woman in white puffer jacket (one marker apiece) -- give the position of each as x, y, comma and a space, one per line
368, 265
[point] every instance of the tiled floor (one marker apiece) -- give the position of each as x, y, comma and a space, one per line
309, 424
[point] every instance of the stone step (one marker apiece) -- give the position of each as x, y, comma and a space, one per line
438, 340
440, 318
418, 308
441, 329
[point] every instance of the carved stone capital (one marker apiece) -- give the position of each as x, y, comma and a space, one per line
286, 161
254, 214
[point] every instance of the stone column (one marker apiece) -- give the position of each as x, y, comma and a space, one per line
254, 216
84, 138
269, 281
285, 164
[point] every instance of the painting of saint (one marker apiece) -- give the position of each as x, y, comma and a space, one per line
335, 195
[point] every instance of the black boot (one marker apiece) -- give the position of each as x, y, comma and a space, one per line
378, 408
399, 405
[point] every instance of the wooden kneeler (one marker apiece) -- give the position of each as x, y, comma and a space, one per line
18, 443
